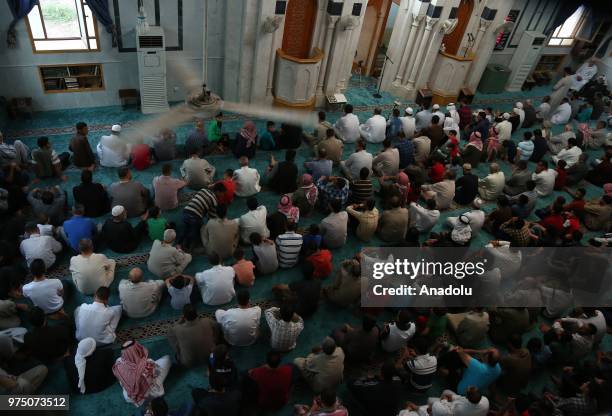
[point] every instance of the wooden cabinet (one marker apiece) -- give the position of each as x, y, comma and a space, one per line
71, 78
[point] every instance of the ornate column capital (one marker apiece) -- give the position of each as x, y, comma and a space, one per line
417, 19
271, 23
484, 24
349, 22
430, 22
331, 20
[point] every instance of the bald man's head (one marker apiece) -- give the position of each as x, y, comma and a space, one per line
136, 275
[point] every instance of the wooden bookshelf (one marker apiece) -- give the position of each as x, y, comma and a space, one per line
71, 78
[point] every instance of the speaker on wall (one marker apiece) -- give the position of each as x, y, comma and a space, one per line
281, 7
357, 9
488, 14
334, 8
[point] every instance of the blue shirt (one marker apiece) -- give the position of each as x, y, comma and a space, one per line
478, 374
266, 141
319, 167
77, 228
317, 238
406, 152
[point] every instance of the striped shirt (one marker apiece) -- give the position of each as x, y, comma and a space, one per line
422, 369
288, 246
203, 203
361, 190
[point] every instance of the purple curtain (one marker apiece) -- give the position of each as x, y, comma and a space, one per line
19, 9
100, 9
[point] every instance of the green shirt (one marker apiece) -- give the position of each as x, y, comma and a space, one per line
156, 227
214, 132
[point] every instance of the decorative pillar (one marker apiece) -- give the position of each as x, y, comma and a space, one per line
396, 47
327, 36
347, 23
483, 25
429, 24
270, 26
414, 28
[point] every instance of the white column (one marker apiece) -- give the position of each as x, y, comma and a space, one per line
412, 58
483, 25
349, 23
414, 28
429, 24
271, 25
397, 42
328, 36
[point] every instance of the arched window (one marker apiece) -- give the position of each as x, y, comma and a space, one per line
452, 41
299, 25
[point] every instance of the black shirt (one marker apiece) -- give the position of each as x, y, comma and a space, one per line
290, 137
121, 237
540, 147
378, 397
98, 372
48, 342
217, 404
93, 197
284, 180
277, 224
466, 189
307, 296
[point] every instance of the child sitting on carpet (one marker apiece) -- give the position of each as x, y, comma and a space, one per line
156, 224
179, 288
244, 269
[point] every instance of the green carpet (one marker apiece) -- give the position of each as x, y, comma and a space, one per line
58, 125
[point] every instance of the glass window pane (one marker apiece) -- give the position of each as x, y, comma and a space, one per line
567, 42
36, 24
554, 42
61, 20
89, 21
60, 45
569, 26
93, 43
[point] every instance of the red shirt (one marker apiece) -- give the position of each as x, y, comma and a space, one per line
561, 178
554, 220
274, 385
322, 262
230, 188
454, 150
436, 173
574, 225
141, 156
577, 205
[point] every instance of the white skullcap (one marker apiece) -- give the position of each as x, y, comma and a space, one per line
409, 110
117, 210
506, 116
116, 128
519, 104
436, 107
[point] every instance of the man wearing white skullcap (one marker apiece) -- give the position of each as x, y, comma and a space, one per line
112, 150
119, 235
440, 114
518, 109
408, 123
504, 128
166, 260
452, 110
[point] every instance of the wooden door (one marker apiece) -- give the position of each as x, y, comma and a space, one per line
299, 25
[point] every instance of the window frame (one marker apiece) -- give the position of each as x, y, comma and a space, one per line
577, 28
80, 4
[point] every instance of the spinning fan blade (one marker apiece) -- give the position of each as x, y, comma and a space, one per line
150, 128
294, 117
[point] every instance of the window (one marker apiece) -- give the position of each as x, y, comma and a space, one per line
564, 35
62, 26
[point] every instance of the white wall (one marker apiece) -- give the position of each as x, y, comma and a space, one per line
19, 74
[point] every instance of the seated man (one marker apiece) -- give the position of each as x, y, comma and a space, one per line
351, 167
492, 186
359, 344
91, 195
418, 365
333, 146
346, 288
334, 226
274, 382
47, 343
217, 283
470, 327
443, 192
166, 260
47, 162
98, 320
373, 130
285, 327
91, 270
119, 235
141, 156
347, 127
423, 218
13, 153
140, 298
387, 162
282, 176
398, 332
477, 373
253, 221
166, 189
50, 202
246, 179
192, 338
113, 151
240, 325
197, 172
324, 368
47, 294
78, 228
220, 235
393, 222
131, 195
38, 246
320, 166
379, 394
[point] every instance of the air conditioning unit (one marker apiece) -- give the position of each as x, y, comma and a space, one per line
525, 58
151, 48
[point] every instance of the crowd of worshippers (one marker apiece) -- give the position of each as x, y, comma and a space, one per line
425, 166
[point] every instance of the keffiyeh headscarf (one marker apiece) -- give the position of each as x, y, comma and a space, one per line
403, 184
285, 205
310, 189
476, 140
135, 372
249, 132
85, 348
462, 232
